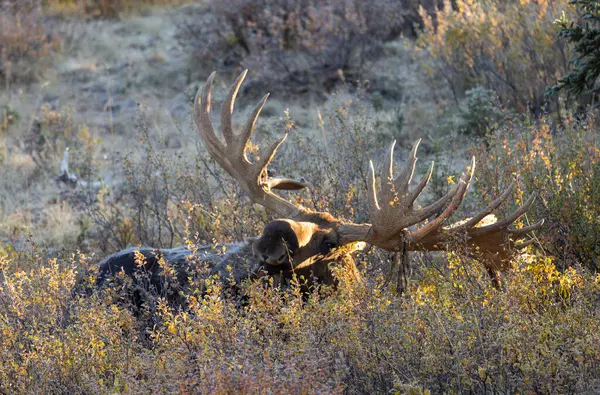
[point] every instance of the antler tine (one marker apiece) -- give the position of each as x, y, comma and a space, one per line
435, 207
519, 233
456, 194
246, 133
372, 190
231, 155
524, 244
389, 163
526, 229
403, 180
270, 154
508, 220
202, 114
415, 193
460, 191
488, 210
206, 94
388, 172
399, 186
227, 109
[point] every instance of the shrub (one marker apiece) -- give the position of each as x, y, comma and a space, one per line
481, 112
164, 199
50, 132
508, 47
309, 44
25, 41
449, 333
477, 114
8, 117
562, 167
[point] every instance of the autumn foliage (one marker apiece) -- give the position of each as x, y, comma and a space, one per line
484, 68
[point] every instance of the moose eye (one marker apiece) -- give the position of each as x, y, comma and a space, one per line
326, 247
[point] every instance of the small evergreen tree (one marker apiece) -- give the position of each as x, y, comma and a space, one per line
585, 38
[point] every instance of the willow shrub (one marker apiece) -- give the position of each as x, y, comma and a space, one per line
305, 46
510, 47
562, 165
26, 43
450, 332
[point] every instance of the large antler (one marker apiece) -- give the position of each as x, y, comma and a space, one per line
231, 156
390, 220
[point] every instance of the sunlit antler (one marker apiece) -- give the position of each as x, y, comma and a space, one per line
497, 238
231, 156
393, 215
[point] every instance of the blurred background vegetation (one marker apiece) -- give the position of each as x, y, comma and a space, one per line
514, 83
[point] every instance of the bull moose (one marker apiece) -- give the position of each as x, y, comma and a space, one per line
308, 243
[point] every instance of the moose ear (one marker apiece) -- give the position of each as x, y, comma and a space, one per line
287, 184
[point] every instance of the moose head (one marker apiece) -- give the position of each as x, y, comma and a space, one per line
307, 242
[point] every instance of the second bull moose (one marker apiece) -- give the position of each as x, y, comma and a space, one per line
309, 243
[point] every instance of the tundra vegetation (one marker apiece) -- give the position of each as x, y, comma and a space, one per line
99, 152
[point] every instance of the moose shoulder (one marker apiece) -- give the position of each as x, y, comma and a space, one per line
308, 243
